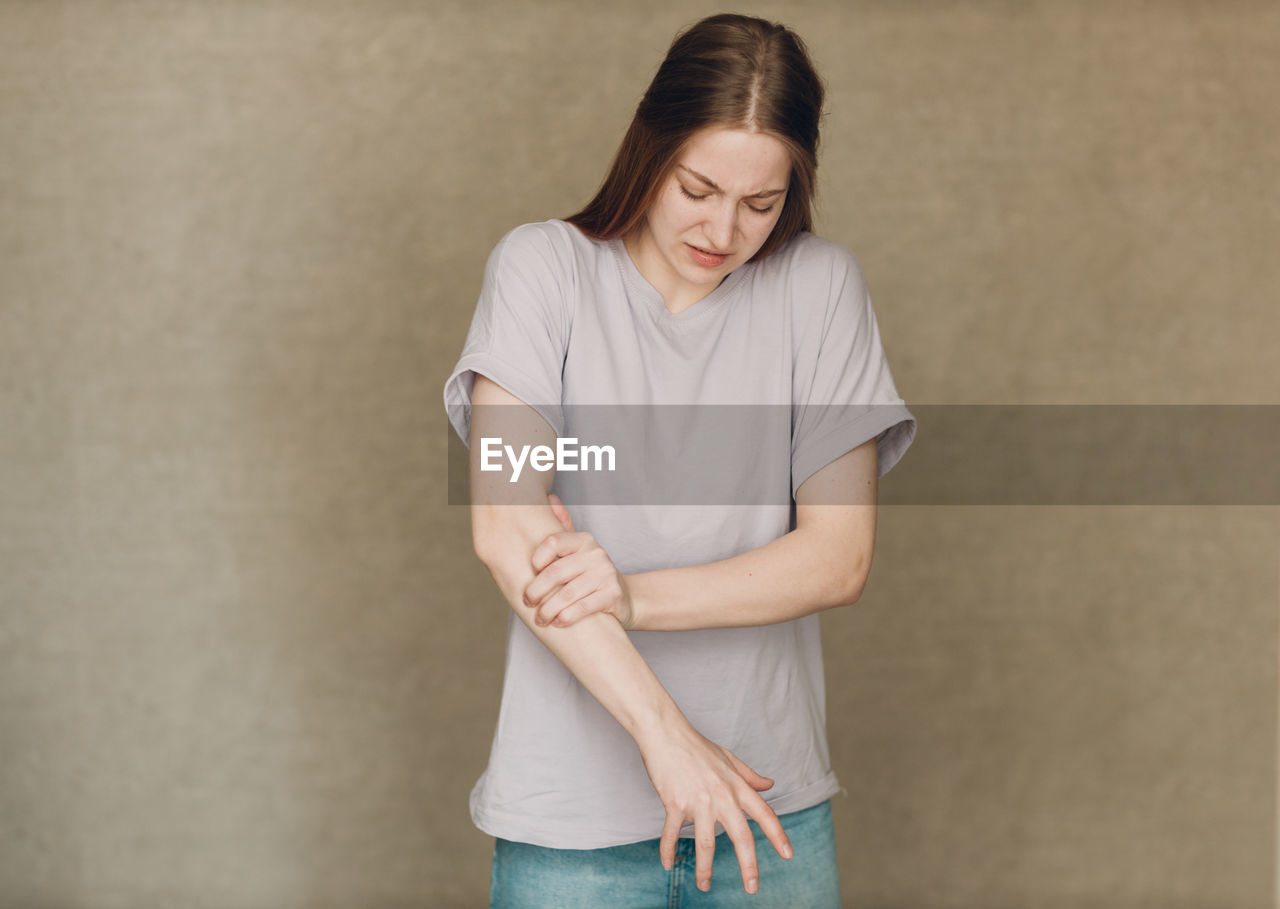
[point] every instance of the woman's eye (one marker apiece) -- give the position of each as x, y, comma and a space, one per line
689, 195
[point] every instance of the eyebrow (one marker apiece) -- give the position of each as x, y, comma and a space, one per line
707, 180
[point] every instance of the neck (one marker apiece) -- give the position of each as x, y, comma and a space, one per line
676, 297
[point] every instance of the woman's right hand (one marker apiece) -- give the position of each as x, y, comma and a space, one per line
699, 780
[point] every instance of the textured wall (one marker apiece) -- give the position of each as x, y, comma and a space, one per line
246, 657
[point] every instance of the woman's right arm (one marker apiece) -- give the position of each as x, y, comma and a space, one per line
695, 778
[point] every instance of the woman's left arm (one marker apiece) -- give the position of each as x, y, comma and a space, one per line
823, 563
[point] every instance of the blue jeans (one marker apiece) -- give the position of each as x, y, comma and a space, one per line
632, 876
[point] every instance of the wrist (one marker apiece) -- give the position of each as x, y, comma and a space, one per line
658, 726
636, 591
631, 597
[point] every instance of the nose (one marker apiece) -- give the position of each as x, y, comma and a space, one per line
721, 226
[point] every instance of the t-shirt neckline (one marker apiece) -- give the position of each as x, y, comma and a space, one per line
653, 298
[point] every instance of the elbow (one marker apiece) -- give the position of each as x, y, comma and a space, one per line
481, 552
484, 540
847, 583
504, 536
846, 594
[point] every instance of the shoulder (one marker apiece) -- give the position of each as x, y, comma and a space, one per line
536, 256
549, 251
533, 241
536, 270
810, 260
819, 278
552, 240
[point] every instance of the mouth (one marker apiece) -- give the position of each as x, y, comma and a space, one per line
708, 258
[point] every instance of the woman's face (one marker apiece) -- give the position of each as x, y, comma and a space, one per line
712, 214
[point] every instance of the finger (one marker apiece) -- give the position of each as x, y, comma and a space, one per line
744, 844
704, 838
556, 545
561, 513
596, 601
559, 571
570, 593
763, 815
670, 834
755, 780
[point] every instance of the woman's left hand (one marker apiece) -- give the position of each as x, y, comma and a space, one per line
575, 577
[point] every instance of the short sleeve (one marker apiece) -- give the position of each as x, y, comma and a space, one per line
842, 390
520, 330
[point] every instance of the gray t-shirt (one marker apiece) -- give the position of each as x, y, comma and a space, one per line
564, 320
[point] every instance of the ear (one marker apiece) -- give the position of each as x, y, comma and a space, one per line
561, 513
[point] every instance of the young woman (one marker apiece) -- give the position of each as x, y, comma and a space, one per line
661, 658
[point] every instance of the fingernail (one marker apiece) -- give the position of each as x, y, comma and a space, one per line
752, 885
786, 851
704, 885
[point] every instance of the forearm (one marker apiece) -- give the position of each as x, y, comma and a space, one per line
596, 650
793, 576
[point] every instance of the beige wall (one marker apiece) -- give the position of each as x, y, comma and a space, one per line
246, 657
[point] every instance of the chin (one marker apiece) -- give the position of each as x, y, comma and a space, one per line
706, 277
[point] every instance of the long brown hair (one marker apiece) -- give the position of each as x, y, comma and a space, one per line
731, 71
